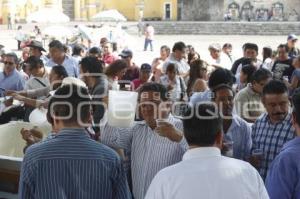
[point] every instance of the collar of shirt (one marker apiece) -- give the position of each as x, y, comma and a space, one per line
67, 57
294, 142
201, 152
72, 132
286, 120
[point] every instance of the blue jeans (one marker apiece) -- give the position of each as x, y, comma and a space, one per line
147, 42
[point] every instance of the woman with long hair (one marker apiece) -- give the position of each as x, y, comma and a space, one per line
198, 76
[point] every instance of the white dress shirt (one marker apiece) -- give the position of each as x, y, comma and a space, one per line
182, 66
223, 61
204, 173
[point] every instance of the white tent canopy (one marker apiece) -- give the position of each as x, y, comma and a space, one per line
47, 15
109, 15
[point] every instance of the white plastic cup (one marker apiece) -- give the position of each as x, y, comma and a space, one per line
121, 108
160, 121
257, 153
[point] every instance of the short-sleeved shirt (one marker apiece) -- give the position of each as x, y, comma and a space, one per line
283, 68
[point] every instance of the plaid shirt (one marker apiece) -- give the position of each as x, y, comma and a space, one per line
270, 138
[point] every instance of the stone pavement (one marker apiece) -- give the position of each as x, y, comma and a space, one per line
200, 42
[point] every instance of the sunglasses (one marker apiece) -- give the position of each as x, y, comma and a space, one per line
8, 63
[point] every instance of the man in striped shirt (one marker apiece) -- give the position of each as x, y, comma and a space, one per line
152, 145
272, 129
70, 164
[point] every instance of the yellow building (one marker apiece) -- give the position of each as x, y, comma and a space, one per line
83, 10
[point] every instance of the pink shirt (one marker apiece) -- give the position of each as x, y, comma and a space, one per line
109, 58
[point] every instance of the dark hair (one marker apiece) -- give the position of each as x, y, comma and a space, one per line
14, 56
296, 105
221, 76
95, 50
248, 70
267, 53
91, 65
116, 67
204, 126
227, 45
195, 73
250, 46
166, 48
171, 67
34, 62
103, 40
261, 75
70, 100
60, 71
179, 46
284, 46
77, 49
221, 87
154, 87
275, 87
57, 44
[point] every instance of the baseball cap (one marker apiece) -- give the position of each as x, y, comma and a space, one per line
292, 37
146, 67
126, 53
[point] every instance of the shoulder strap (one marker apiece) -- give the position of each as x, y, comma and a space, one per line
40, 82
181, 88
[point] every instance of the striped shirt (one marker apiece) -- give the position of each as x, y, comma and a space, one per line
240, 133
72, 166
270, 138
149, 152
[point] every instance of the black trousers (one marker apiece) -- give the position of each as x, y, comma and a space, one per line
16, 113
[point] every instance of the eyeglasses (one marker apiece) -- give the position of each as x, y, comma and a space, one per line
8, 63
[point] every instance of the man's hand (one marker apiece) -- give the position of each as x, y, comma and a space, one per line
18, 97
31, 136
169, 131
170, 87
255, 161
9, 92
8, 102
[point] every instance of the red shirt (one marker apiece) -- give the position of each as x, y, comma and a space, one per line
109, 58
136, 83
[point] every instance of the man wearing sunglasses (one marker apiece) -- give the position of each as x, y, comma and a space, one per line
10, 78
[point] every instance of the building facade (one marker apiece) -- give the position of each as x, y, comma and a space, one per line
84, 10
240, 10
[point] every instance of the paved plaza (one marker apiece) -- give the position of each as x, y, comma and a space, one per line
200, 42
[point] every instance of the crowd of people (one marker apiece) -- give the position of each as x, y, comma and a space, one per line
219, 128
